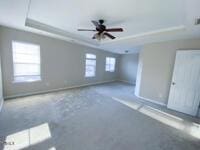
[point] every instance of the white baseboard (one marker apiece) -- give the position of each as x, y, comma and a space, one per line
125, 81
56, 90
152, 101
1, 105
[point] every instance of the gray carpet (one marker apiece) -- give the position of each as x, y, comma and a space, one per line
90, 119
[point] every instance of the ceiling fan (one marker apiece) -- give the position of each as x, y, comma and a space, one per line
102, 31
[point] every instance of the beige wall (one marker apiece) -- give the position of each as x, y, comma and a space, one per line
62, 63
156, 62
128, 67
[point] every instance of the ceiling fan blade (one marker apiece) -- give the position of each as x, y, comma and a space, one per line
85, 30
109, 35
114, 30
95, 23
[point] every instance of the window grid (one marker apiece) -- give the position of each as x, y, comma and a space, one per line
26, 62
90, 65
110, 64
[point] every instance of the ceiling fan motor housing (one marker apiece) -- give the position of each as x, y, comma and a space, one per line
101, 28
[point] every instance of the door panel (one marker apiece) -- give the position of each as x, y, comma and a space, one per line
184, 92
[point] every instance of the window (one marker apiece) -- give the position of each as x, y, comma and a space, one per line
26, 62
90, 65
110, 64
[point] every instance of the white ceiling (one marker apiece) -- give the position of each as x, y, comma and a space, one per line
143, 21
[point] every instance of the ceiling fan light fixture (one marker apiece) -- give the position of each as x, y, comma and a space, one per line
97, 36
102, 35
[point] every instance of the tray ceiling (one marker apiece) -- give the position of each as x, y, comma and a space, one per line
143, 21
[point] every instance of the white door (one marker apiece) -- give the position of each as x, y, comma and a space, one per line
185, 87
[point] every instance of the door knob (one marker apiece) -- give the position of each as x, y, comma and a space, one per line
173, 83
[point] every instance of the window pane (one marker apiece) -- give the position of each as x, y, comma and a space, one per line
26, 58
90, 71
107, 60
112, 68
91, 62
112, 61
91, 56
26, 69
25, 48
112, 64
107, 67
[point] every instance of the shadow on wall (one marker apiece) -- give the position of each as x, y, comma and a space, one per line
191, 128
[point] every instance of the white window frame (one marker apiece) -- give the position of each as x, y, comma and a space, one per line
90, 57
108, 64
28, 79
